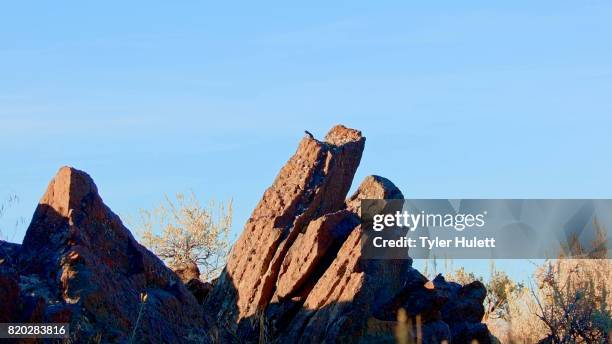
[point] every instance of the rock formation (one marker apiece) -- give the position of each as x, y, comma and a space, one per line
79, 264
313, 183
297, 273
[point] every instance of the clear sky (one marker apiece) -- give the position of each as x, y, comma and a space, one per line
459, 99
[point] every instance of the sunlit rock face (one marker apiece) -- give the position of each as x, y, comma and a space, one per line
314, 182
296, 274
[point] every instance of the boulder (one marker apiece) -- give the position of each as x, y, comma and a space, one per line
85, 266
314, 182
373, 187
464, 310
187, 271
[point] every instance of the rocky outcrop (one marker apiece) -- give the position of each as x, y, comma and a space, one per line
313, 183
81, 265
351, 289
464, 310
297, 273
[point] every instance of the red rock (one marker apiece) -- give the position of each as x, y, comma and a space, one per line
310, 248
297, 273
76, 240
373, 187
314, 182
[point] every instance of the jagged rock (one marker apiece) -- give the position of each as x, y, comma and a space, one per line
464, 310
352, 289
297, 273
459, 308
86, 267
310, 248
418, 297
314, 182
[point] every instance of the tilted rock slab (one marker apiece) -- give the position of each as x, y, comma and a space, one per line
300, 250
88, 269
314, 182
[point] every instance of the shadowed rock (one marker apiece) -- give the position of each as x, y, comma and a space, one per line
199, 289
9, 294
8, 253
87, 267
310, 248
352, 289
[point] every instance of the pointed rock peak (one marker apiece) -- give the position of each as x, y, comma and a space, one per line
93, 268
340, 135
68, 189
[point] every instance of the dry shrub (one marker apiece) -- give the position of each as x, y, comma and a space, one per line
520, 324
573, 300
188, 233
568, 301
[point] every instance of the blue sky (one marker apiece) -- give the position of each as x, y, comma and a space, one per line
457, 99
